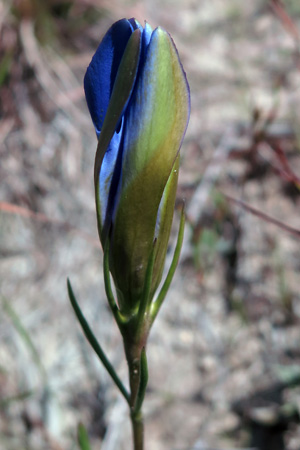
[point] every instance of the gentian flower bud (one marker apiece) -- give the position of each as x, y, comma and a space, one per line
138, 98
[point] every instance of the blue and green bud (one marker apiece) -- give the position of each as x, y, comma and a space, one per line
138, 98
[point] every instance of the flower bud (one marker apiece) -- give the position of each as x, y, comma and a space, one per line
138, 98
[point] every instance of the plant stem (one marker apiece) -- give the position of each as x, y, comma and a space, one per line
137, 382
138, 430
133, 356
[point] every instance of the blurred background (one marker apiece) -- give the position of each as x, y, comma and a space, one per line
224, 353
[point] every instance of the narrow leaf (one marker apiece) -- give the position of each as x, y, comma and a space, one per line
94, 343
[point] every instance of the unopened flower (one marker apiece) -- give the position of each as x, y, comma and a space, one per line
138, 98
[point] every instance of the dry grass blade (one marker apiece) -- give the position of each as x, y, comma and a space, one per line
40, 217
25, 336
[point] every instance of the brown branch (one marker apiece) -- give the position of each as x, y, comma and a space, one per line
256, 212
279, 10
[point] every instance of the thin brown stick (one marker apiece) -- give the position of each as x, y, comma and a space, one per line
279, 10
256, 212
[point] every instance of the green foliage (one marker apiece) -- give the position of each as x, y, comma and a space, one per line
205, 248
40, 13
56, 20
83, 438
6, 401
24, 335
292, 7
5, 65
208, 238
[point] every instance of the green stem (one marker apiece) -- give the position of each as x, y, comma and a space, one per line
138, 430
138, 377
143, 382
133, 356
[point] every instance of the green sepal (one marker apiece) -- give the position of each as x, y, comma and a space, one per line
155, 125
142, 319
120, 319
166, 214
95, 344
155, 306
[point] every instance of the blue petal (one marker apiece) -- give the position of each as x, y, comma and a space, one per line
113, 166
107, 171
147, 35
109, 150
101, 73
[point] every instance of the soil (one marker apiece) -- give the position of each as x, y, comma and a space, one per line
224, 353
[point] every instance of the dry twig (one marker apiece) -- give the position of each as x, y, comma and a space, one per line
294, 231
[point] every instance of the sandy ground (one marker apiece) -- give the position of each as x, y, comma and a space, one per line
224, 353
